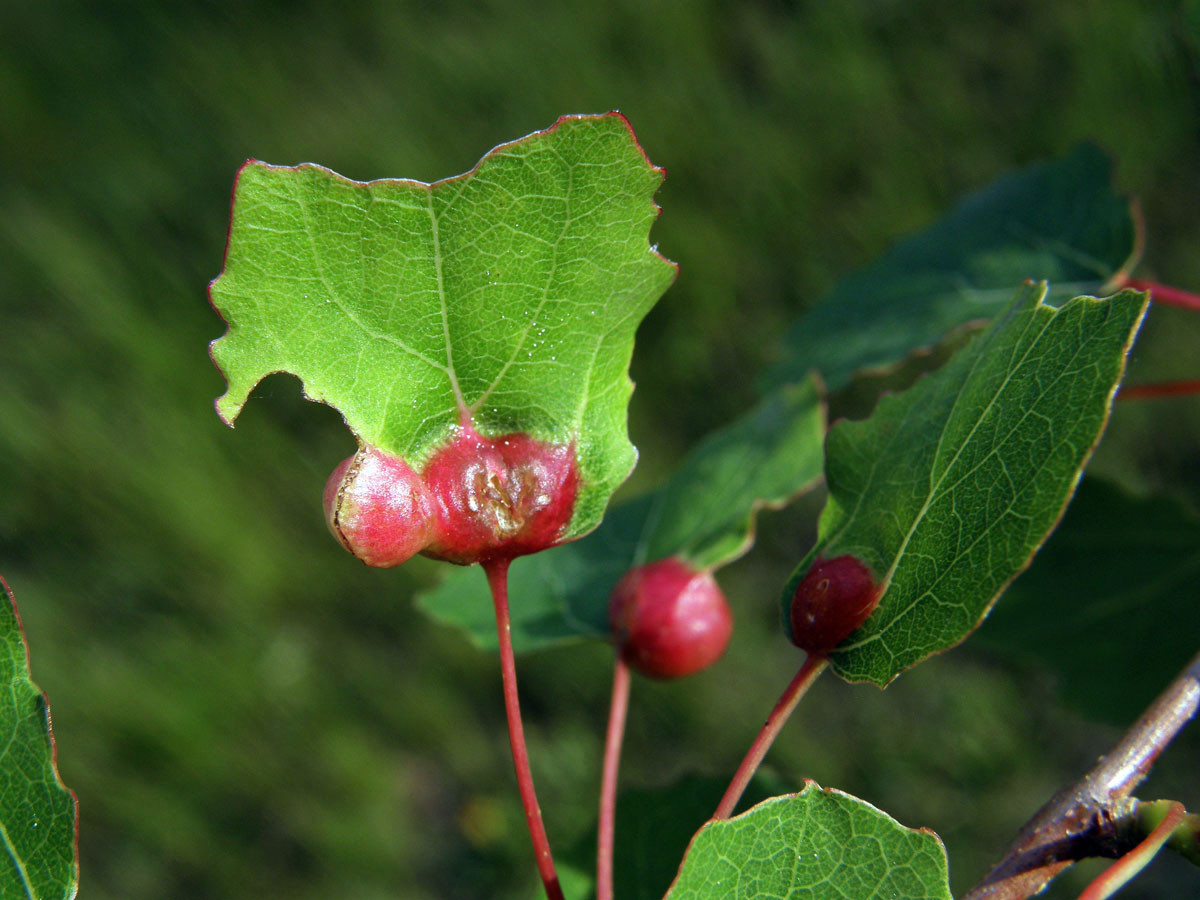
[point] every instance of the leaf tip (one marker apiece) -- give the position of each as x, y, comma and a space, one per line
620, 117
224, 413
227, 407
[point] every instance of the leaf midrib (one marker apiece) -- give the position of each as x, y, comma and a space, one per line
310, 232
444, 309
470, 409
12, 852
8, 844
533, 319
936, 486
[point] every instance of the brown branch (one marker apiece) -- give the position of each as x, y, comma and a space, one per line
1132, 863
1082, 821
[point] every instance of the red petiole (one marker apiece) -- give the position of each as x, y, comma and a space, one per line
1168, 296
1165, 294
814, 665
1119, 873
1161, 389
608, 783
497, 576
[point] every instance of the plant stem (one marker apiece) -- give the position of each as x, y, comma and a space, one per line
1082, 820
497, 576
1161, 389
608, 783
813, 666
1119, 873
1161, 293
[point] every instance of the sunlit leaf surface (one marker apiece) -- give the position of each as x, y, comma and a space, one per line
509, 294
815, 845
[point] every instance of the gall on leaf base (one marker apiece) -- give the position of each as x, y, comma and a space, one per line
499, 498
669, 620
831, 601
379, 508
477, 499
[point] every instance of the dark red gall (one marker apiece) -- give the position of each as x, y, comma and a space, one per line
833, 599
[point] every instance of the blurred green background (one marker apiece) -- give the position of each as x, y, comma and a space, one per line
246, 711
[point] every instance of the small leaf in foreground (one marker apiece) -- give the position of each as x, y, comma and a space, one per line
1060, 222
1111, 605
37, 812
948, 489
503, 300
814, 845
704, 514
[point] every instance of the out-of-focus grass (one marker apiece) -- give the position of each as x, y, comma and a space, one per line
244, 710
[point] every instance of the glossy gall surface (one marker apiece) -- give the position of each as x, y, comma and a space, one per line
378, 508
668, 620
499, 497
831, 601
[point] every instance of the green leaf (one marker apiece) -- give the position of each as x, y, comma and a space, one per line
37, 812
1060, 222
1111, 604
948, 489
704, 513
510, 294
576, 882
815, 845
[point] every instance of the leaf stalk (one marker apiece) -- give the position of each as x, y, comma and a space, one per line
1165, 294
1128, 866
1180, 388
814, 665
1184, 840
608, 784
497, 576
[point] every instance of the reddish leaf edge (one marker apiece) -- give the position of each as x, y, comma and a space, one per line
808, 786
12, 602
1087, 457
1120, 278
430, 185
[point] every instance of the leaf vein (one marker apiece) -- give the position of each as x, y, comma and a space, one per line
441, 290
533, 319
336, 298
